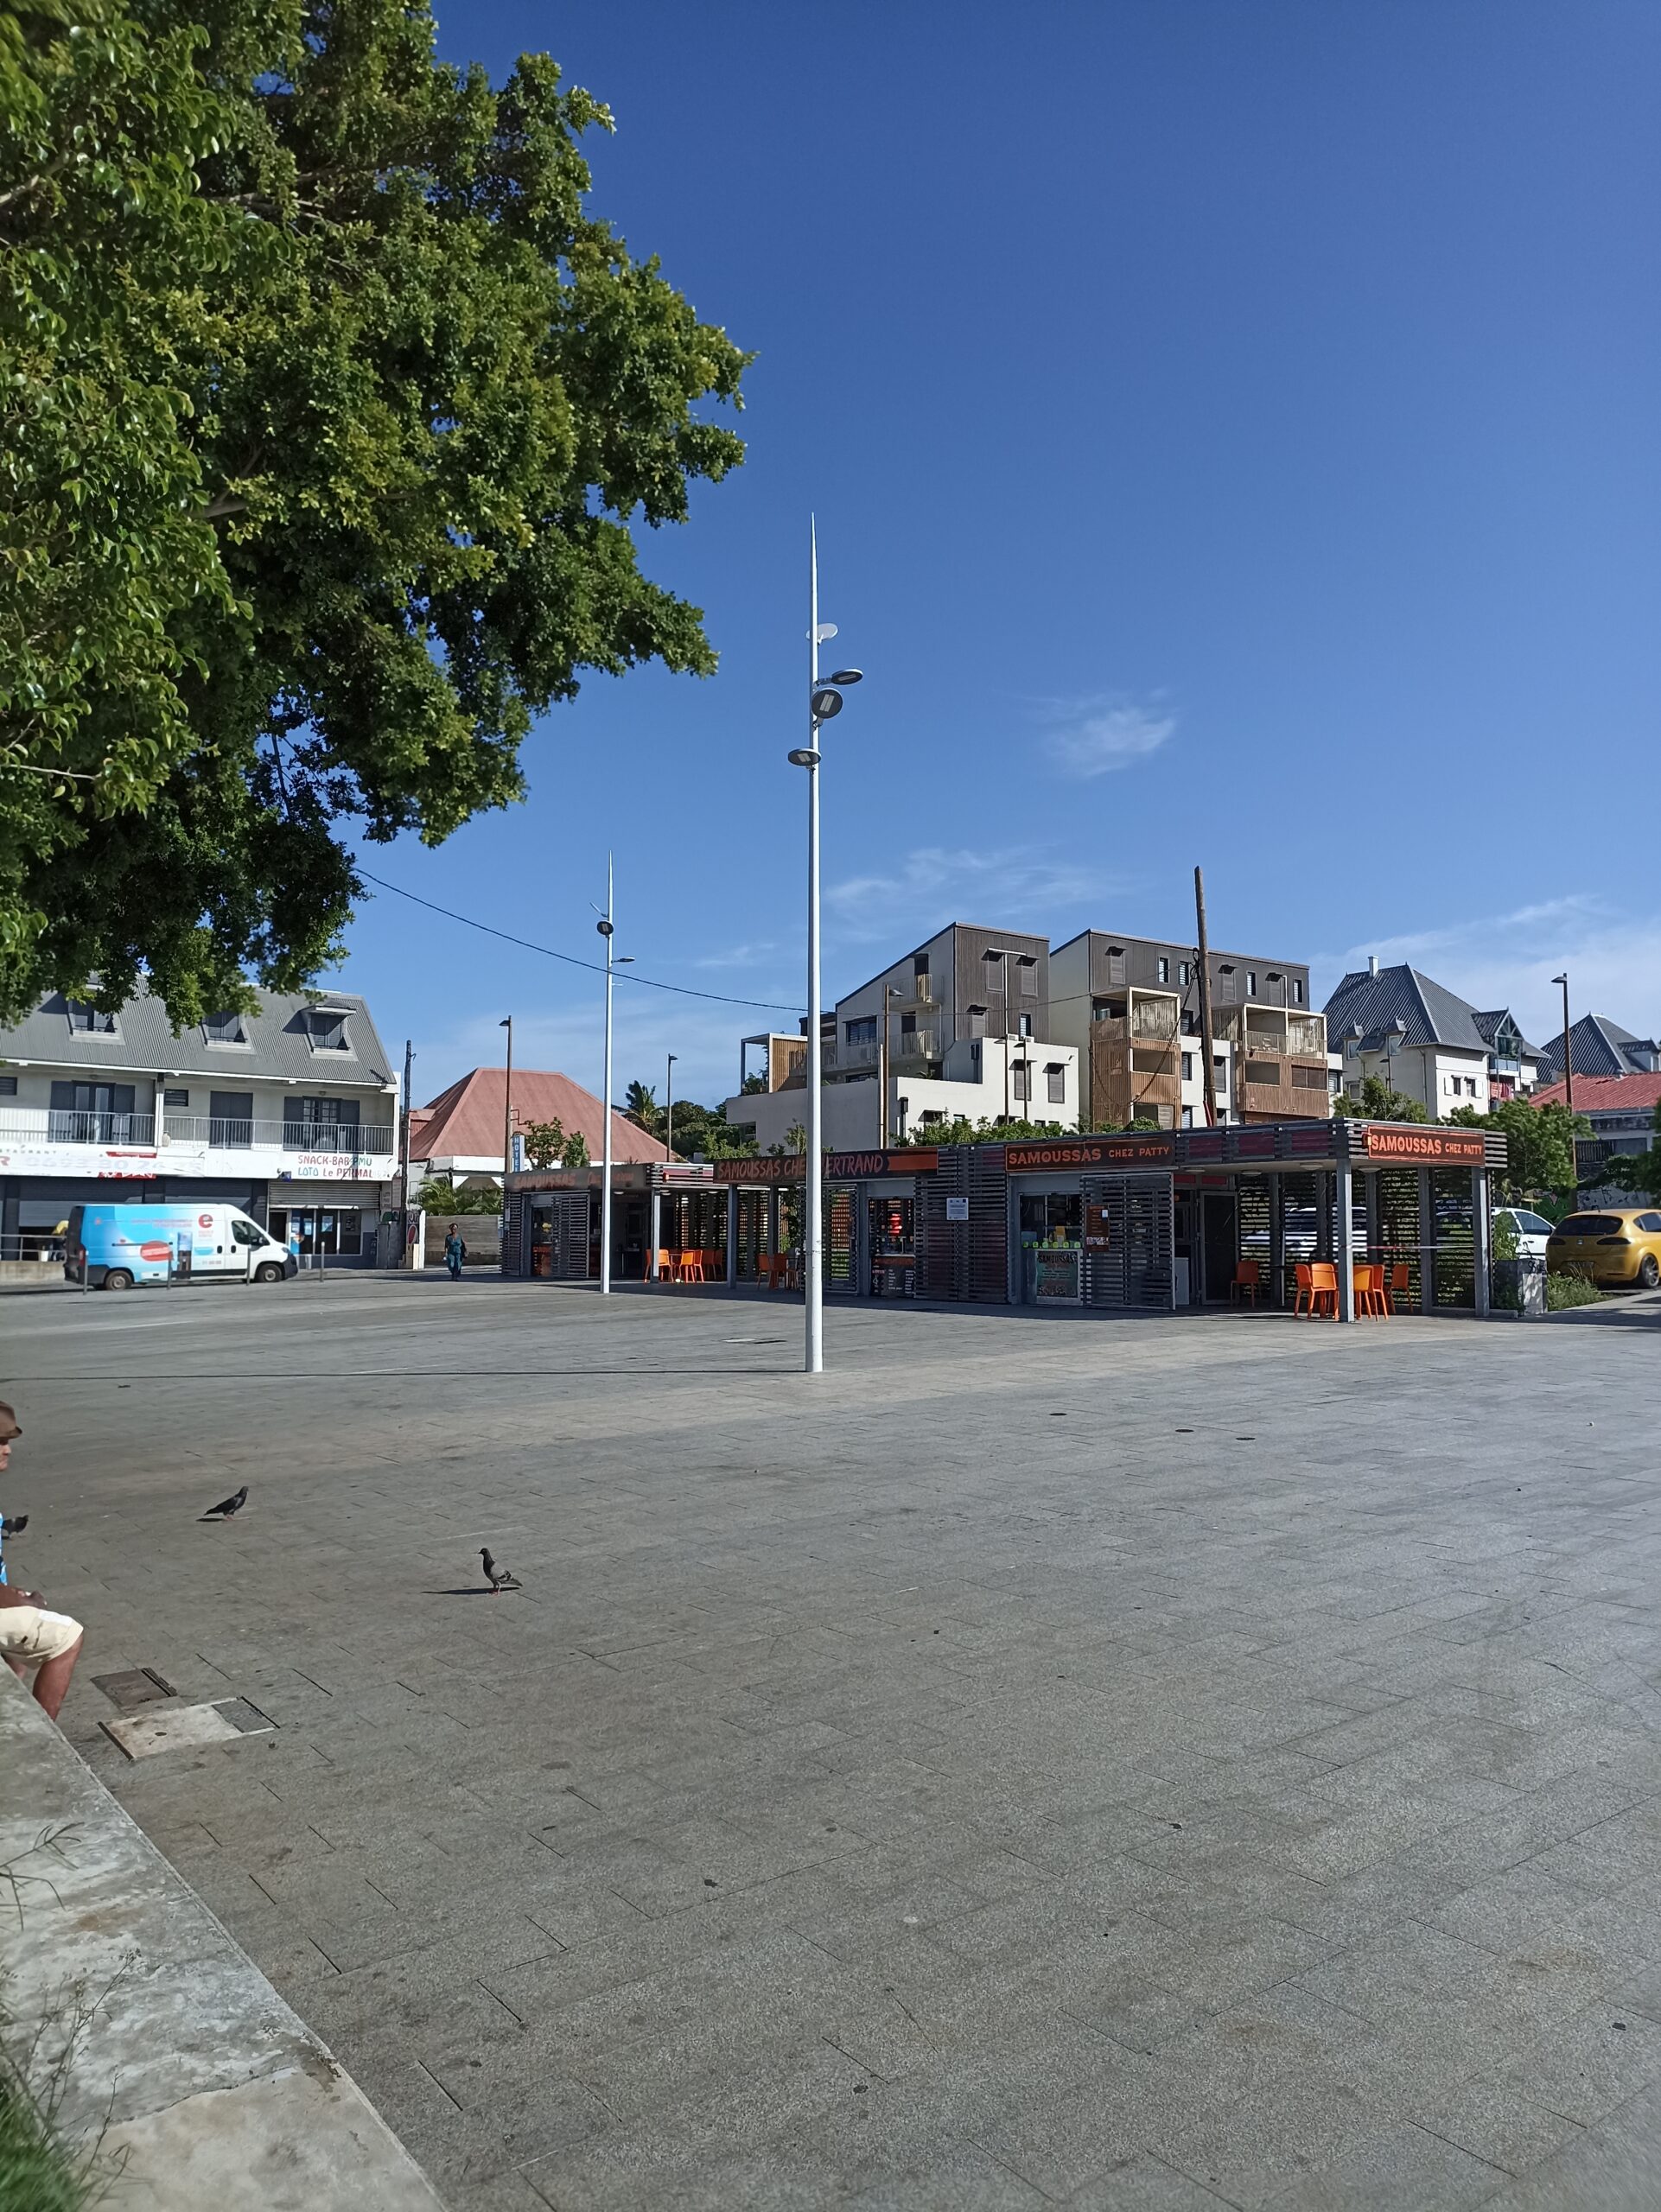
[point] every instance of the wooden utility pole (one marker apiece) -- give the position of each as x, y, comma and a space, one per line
1205, 1002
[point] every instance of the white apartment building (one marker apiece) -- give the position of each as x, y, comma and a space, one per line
290, 1114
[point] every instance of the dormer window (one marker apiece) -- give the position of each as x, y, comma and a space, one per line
225, 1029
88, 1021
324, 1028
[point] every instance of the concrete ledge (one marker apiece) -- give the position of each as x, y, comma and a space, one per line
215, 2092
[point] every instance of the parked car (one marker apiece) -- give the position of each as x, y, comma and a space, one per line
1530, 1230
1620, 1249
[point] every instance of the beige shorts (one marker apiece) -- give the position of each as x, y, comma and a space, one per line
32, 1635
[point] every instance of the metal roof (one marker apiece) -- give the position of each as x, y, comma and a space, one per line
1433, 1015
144, 1041
1599, 1046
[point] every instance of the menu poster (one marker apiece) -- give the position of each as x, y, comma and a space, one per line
1097, 1236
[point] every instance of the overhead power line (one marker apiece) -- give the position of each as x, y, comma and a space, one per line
594, 967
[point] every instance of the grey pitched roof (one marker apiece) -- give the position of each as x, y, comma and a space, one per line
278, 1044
1599, 1047
1433, 1015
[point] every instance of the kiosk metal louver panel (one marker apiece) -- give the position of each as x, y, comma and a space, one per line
965, 1263
839, 1269
570, 1242
1135, 1268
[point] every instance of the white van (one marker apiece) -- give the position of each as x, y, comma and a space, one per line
114, 1247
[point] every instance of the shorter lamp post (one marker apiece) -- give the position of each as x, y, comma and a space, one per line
1394, 1036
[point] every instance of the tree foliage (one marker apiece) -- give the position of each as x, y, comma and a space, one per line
1375, 1101
1636, 1171
1539, 1144
325, 407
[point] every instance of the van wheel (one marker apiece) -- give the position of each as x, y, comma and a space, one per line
268, 1272
1649, 1271
118, 1279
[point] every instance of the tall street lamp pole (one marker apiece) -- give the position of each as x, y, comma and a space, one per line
1569, 1046
669, 1111
507, 1111
824, 702
604, 927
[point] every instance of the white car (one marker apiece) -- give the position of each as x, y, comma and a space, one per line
1531, 1230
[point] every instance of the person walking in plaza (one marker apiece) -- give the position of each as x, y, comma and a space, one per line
31, 1637
455, 1251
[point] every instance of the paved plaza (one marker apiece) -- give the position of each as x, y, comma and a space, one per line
1160, 1763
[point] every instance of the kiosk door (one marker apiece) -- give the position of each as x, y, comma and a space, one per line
1128, 1241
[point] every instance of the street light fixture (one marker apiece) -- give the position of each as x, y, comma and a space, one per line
1569, 1046
825, 702
507, 1111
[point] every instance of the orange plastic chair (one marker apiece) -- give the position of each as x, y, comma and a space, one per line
666, 1266
1369, 1291
692, 1266
1323, 1287
1397, 1285
1301, 1272
1248, 1274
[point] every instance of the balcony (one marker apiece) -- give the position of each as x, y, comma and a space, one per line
23, 1128
40, 1129
360, 1137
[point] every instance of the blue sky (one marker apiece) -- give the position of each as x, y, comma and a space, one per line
1234, 439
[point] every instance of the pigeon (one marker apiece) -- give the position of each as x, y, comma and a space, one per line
228, 1506
501, 1579
14, 1526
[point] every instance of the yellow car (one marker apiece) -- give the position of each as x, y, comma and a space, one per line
1622, 1248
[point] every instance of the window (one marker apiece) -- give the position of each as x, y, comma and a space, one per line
243, 1232
1589, 1224
932, 1117
325, 1027
1028, 965
1101, 1009
862, 1032
1650, 1221
1225, 985
8, 1086
1297, 991
1019, 1081
319, 1124
1190, 1023
231, 1119
1470, 1086
1187, 1117
1025, 1025
1187, 1067
1162, 969
1184, 971
1116, 963
908, 1025
1309, 1079
86, 1020
225, 1029
176, 1100
1057, 1072
919, 964
1251, 983
95, 1113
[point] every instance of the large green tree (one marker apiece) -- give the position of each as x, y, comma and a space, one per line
1377, 1101
325, 409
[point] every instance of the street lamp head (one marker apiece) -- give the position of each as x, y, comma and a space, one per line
603, 926
847, 676
1562, 979
803, 757
625, 959
824, 703
1399, 1027
506, 1022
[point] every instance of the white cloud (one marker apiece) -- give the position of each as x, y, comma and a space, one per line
570, 1041
939, 883
1095, 736
1613, 962
740, 956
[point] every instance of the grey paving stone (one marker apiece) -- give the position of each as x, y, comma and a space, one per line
1305, 1797
1402, 2169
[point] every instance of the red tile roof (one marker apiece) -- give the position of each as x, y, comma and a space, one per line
1604, 1094
465, 1121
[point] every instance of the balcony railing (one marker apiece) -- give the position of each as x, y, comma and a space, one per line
279, 1136
54, 1125
64, 1125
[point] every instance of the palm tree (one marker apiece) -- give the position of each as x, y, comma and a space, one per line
640, 1104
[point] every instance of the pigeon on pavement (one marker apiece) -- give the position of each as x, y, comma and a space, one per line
14, 1526
228, 1506
501, 1579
